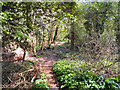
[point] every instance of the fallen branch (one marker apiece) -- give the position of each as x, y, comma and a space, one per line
10, 61
22, 82
18, 84
33, 79
9, 79
25, 71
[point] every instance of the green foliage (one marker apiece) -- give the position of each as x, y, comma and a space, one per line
77, 75
87, 21
41, 83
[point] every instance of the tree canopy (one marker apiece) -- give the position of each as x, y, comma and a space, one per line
81, 32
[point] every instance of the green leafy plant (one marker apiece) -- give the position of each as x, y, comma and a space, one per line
42, 82
78, 75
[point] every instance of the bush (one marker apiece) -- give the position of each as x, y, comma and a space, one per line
41, 83
78, 75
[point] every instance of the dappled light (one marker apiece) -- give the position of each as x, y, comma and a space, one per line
60, 45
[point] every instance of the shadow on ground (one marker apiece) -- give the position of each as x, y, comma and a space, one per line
17, 74
58, 52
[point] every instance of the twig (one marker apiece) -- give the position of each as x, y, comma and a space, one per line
10, 61
25, 71
9, 79
33, 78
18, 84
21, 83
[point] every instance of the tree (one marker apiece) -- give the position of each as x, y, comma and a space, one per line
96, 15
117, 21
17, 23
56, 33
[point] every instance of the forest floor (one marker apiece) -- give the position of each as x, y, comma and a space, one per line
18, 74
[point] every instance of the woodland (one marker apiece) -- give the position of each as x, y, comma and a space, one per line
60, 45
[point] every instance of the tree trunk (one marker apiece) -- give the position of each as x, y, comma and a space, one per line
43, 39
27, 24
118, 36
25, 49
72, 38
24, 54
39, 39
55, 37
50, 35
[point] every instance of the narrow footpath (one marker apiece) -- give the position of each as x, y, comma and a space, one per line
46, 63
46, 67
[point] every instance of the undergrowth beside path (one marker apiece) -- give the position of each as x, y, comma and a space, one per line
72, 69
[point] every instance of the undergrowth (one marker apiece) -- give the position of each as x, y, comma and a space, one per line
78, 75
41, 83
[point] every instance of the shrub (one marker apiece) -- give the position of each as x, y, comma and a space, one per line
41, 83
78, 75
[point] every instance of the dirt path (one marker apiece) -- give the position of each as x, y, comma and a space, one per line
46, 63
46, 67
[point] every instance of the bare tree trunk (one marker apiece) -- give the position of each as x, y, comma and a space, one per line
27, 24
43, 39
24, 54
50, 36
25, 49
55, 37
72, 38
39, 40
49, 39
